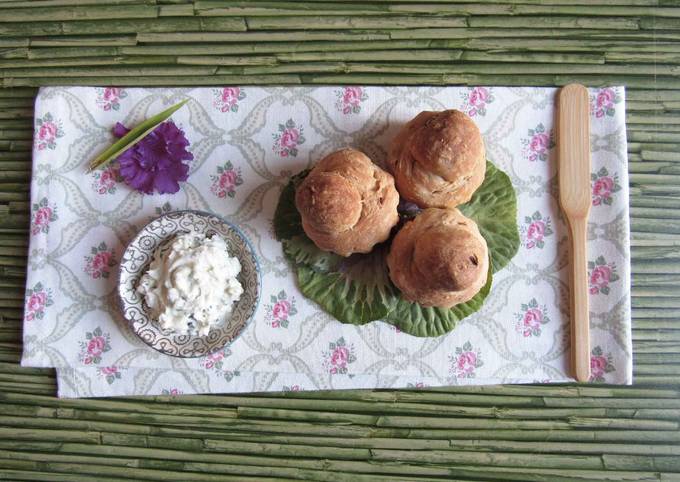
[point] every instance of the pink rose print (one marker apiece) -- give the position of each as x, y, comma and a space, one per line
600, 275
99, 262
37, 299
535, 229
465, 361
104, 181
538, 144
227, 98
287, 139
530, 318
603, 187
111, 374
600, 364
603, 103
416, 385
43, 215
47, 131
350, 99
173, 392
280, 310
292, 388
215, 362
97, 344
338, 356
476, 99
108, 98
226, 180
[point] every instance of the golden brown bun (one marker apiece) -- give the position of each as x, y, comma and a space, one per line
439, 258
347, 203
438, 159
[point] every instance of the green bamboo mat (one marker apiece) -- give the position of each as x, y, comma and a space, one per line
554, 433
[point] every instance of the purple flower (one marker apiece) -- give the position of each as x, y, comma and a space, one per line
155, 162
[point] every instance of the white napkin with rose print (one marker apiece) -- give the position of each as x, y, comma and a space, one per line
246, 142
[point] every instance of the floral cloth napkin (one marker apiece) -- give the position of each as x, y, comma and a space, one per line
246, 142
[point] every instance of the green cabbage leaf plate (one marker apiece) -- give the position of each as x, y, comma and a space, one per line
358, 289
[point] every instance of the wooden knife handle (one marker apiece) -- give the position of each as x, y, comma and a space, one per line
580, 329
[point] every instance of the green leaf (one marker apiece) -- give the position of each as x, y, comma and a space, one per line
357, 289
287, 220
358, 292
133, 137
273, 299
494, 208
301, 250
417, 320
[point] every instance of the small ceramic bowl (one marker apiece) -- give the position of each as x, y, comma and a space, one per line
139, 254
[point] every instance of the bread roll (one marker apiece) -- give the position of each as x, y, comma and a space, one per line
347, 203
439, 258
438, 159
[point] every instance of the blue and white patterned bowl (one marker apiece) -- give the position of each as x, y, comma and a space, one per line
139, 254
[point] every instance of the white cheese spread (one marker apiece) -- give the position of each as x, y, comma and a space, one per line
191, 284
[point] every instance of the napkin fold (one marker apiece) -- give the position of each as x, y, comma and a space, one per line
246, 142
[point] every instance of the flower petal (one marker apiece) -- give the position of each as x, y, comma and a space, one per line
119, 130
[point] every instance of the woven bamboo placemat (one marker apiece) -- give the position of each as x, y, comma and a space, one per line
503, 433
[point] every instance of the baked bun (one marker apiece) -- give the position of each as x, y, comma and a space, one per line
439, 258
347, 203
438, 159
